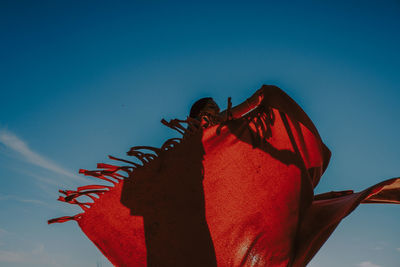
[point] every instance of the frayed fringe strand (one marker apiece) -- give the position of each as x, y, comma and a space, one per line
64, 219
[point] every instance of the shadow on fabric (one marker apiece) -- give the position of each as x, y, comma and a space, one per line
168, 193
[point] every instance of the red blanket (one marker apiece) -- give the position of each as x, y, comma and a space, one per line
236, 194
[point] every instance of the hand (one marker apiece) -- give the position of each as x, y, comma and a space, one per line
256, 98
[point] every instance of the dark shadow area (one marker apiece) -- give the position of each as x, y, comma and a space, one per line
168, 193
259, 138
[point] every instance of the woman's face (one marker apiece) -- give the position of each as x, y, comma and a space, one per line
211, 107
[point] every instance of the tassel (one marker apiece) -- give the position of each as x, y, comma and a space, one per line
64, 219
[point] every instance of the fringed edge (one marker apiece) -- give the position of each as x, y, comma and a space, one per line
110, 173
64, 219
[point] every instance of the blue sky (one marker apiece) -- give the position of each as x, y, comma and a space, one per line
80, 81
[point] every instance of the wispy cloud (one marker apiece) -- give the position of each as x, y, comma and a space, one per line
2, 232
17, 250
24, 200
31, 201
398, 249
43, 178
11, 141
368, 264
35, 256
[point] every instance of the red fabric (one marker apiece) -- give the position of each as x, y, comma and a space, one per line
236, 194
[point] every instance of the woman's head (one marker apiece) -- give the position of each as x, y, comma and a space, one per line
204, 105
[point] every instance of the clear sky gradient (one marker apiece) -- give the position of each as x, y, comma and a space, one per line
80, 80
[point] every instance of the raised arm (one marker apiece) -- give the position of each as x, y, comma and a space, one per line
248, 105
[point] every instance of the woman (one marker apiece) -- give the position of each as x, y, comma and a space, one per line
235, 192
208, 109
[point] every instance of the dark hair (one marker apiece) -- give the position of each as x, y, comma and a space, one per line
198, 106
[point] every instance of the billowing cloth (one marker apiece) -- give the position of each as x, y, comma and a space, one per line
239, 193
